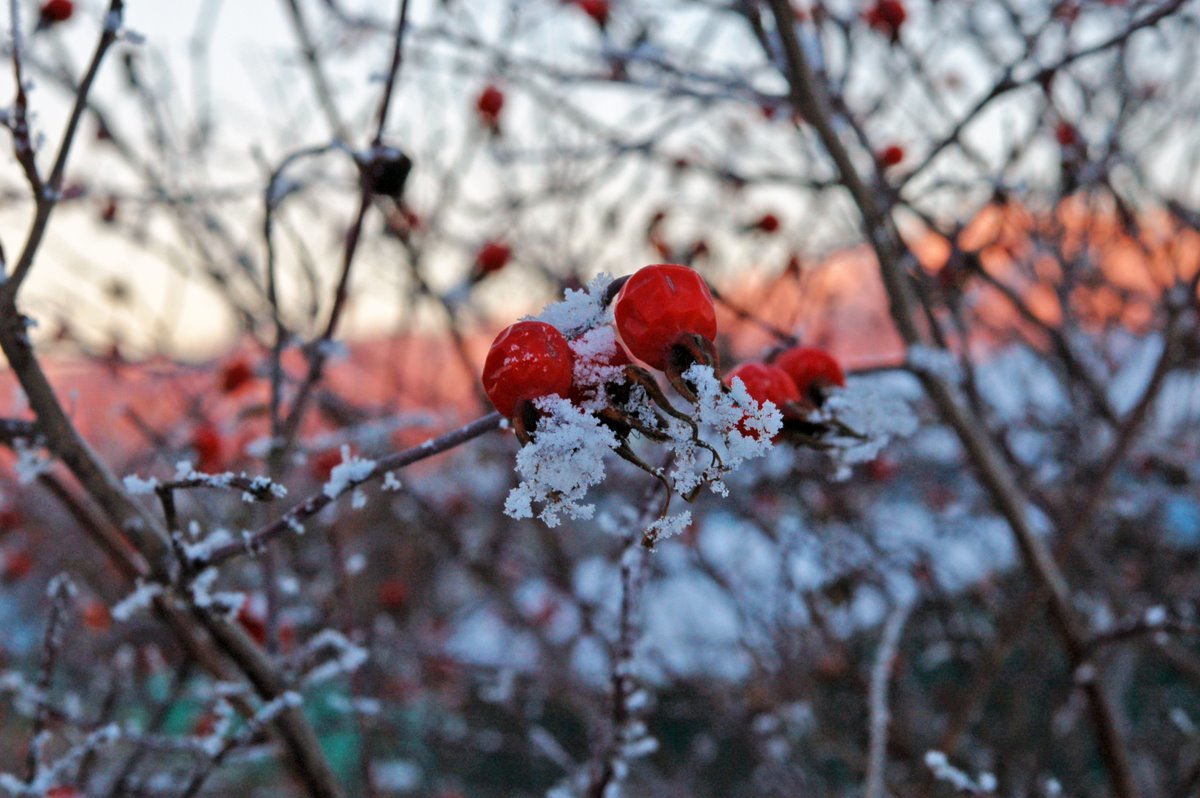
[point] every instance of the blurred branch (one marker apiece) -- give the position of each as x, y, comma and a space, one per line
809, 96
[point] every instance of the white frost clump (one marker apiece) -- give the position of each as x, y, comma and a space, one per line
31, 462
579, 310
942, 770
593, 351
669, 526
721, 412
565, 458
139, 599
871, 410
138, 486
351, 471
200, 550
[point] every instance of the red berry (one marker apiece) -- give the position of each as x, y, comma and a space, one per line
887, 16
492, 257
63, 791
54, 11
660, 305
765, 383
767, 223
812, 370
891, 155
527, 360
581, 392
253, 618
598, 10
96, 616
323, 464
393, 593
1066, 134
489, 104
206, 442
17, 564
108, 214
235, 375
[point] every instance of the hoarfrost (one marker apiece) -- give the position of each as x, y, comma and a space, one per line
565, 458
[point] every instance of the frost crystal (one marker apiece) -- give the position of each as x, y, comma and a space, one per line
347, 474
670, 526
723, 414
138, 486
579, 310
31, 463
565, 458
139, 599
593, 352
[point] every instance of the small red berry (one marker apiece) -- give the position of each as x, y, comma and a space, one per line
659, 307
767, 223
235, 375
492, 257
598, 10
393, 593
54, 11
887, 16
206, 442
765, 383
1066, 134
618, 357
489, 104
108, 214
253, 618
18, 563
527, 360
323, 464
812, 370
892, 155
96, 616
63, 791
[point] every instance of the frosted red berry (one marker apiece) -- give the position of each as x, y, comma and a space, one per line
659, 307
618, 357
54, 11
765, 383
527, 360
812, 370
489, 104
492, 257
892, 155
887, 17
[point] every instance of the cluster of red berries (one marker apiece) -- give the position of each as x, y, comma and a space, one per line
796, 382
664, 317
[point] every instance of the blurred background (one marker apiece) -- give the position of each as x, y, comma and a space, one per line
215, 254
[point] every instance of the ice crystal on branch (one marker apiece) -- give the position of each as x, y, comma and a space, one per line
564, 459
